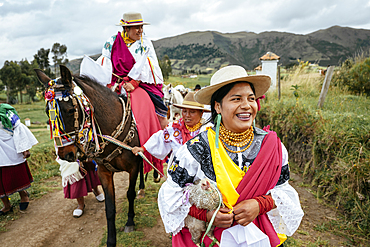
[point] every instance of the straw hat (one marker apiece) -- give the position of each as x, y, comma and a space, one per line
132, 19
190, 103
230, 74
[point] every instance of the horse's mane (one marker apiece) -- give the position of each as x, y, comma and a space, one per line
87, 80
101, 97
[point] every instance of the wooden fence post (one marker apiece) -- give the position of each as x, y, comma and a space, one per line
278, 84
325, 86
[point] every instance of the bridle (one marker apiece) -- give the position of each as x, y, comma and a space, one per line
170, 99
85, 135
81, 133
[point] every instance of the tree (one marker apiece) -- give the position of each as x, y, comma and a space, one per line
60, 55
10, 74
165, 65
42, 58
29, 80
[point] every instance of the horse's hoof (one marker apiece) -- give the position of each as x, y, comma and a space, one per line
129, 229
157, 180
140, 194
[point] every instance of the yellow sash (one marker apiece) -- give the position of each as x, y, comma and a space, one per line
228, 175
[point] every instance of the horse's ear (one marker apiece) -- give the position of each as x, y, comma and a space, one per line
66, 76
44, 79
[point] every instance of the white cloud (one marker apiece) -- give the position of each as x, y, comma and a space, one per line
84, 26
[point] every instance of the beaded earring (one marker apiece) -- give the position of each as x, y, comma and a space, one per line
218, 123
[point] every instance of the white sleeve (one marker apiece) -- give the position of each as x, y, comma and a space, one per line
157, 146
23, 138
288, 214
171, 203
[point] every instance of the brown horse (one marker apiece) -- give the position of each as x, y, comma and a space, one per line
108, 115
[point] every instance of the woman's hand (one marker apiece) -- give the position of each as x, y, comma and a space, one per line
128, 87
246, 211
223, 217
136, 150
26, 154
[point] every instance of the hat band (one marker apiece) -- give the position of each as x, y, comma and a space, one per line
192, 103
131, 22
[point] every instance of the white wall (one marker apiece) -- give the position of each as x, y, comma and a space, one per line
269, 67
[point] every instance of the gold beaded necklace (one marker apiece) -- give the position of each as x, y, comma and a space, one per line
236, 139
194, 128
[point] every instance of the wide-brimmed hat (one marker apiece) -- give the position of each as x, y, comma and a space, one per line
190, 103
230, 74
132, 19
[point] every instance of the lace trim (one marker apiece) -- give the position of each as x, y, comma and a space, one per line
173, 221
287, 217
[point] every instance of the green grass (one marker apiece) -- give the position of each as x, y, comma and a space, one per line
202, 80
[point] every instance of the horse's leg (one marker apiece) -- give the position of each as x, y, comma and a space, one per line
141, 193
156, 177
131, 194
106, 179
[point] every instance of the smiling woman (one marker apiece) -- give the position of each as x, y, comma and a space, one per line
178, 132
249, 166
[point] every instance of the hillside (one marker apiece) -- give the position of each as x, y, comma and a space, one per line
208, 51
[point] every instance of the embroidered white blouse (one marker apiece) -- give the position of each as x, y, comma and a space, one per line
138, 50
13, 143
162, 142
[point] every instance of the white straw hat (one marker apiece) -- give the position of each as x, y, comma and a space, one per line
132, 19
230, 74
190, 103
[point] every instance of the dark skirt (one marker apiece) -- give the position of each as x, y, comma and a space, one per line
14, 179
85, 185
160, 108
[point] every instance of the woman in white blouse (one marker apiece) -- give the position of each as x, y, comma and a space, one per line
248, 164
178, 132
15, 141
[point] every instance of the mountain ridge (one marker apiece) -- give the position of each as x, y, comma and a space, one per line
207, 51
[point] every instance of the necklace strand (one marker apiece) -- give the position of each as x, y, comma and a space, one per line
194, 128
236, 139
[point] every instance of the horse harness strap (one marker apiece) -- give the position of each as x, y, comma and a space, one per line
116, 133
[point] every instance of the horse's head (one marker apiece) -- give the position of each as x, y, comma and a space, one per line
167, 94
64, 112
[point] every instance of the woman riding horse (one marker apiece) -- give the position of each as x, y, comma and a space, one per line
248, 164
129, 54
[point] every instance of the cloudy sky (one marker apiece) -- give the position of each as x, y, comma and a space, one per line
84, 25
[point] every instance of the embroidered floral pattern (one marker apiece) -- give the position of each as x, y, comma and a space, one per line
179, 174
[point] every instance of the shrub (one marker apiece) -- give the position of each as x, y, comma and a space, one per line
354, 76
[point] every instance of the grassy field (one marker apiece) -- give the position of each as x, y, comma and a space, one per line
202, 80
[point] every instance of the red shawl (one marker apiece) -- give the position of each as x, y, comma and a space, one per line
185, 133
260, 178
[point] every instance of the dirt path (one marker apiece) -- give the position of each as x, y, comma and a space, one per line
48, 221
